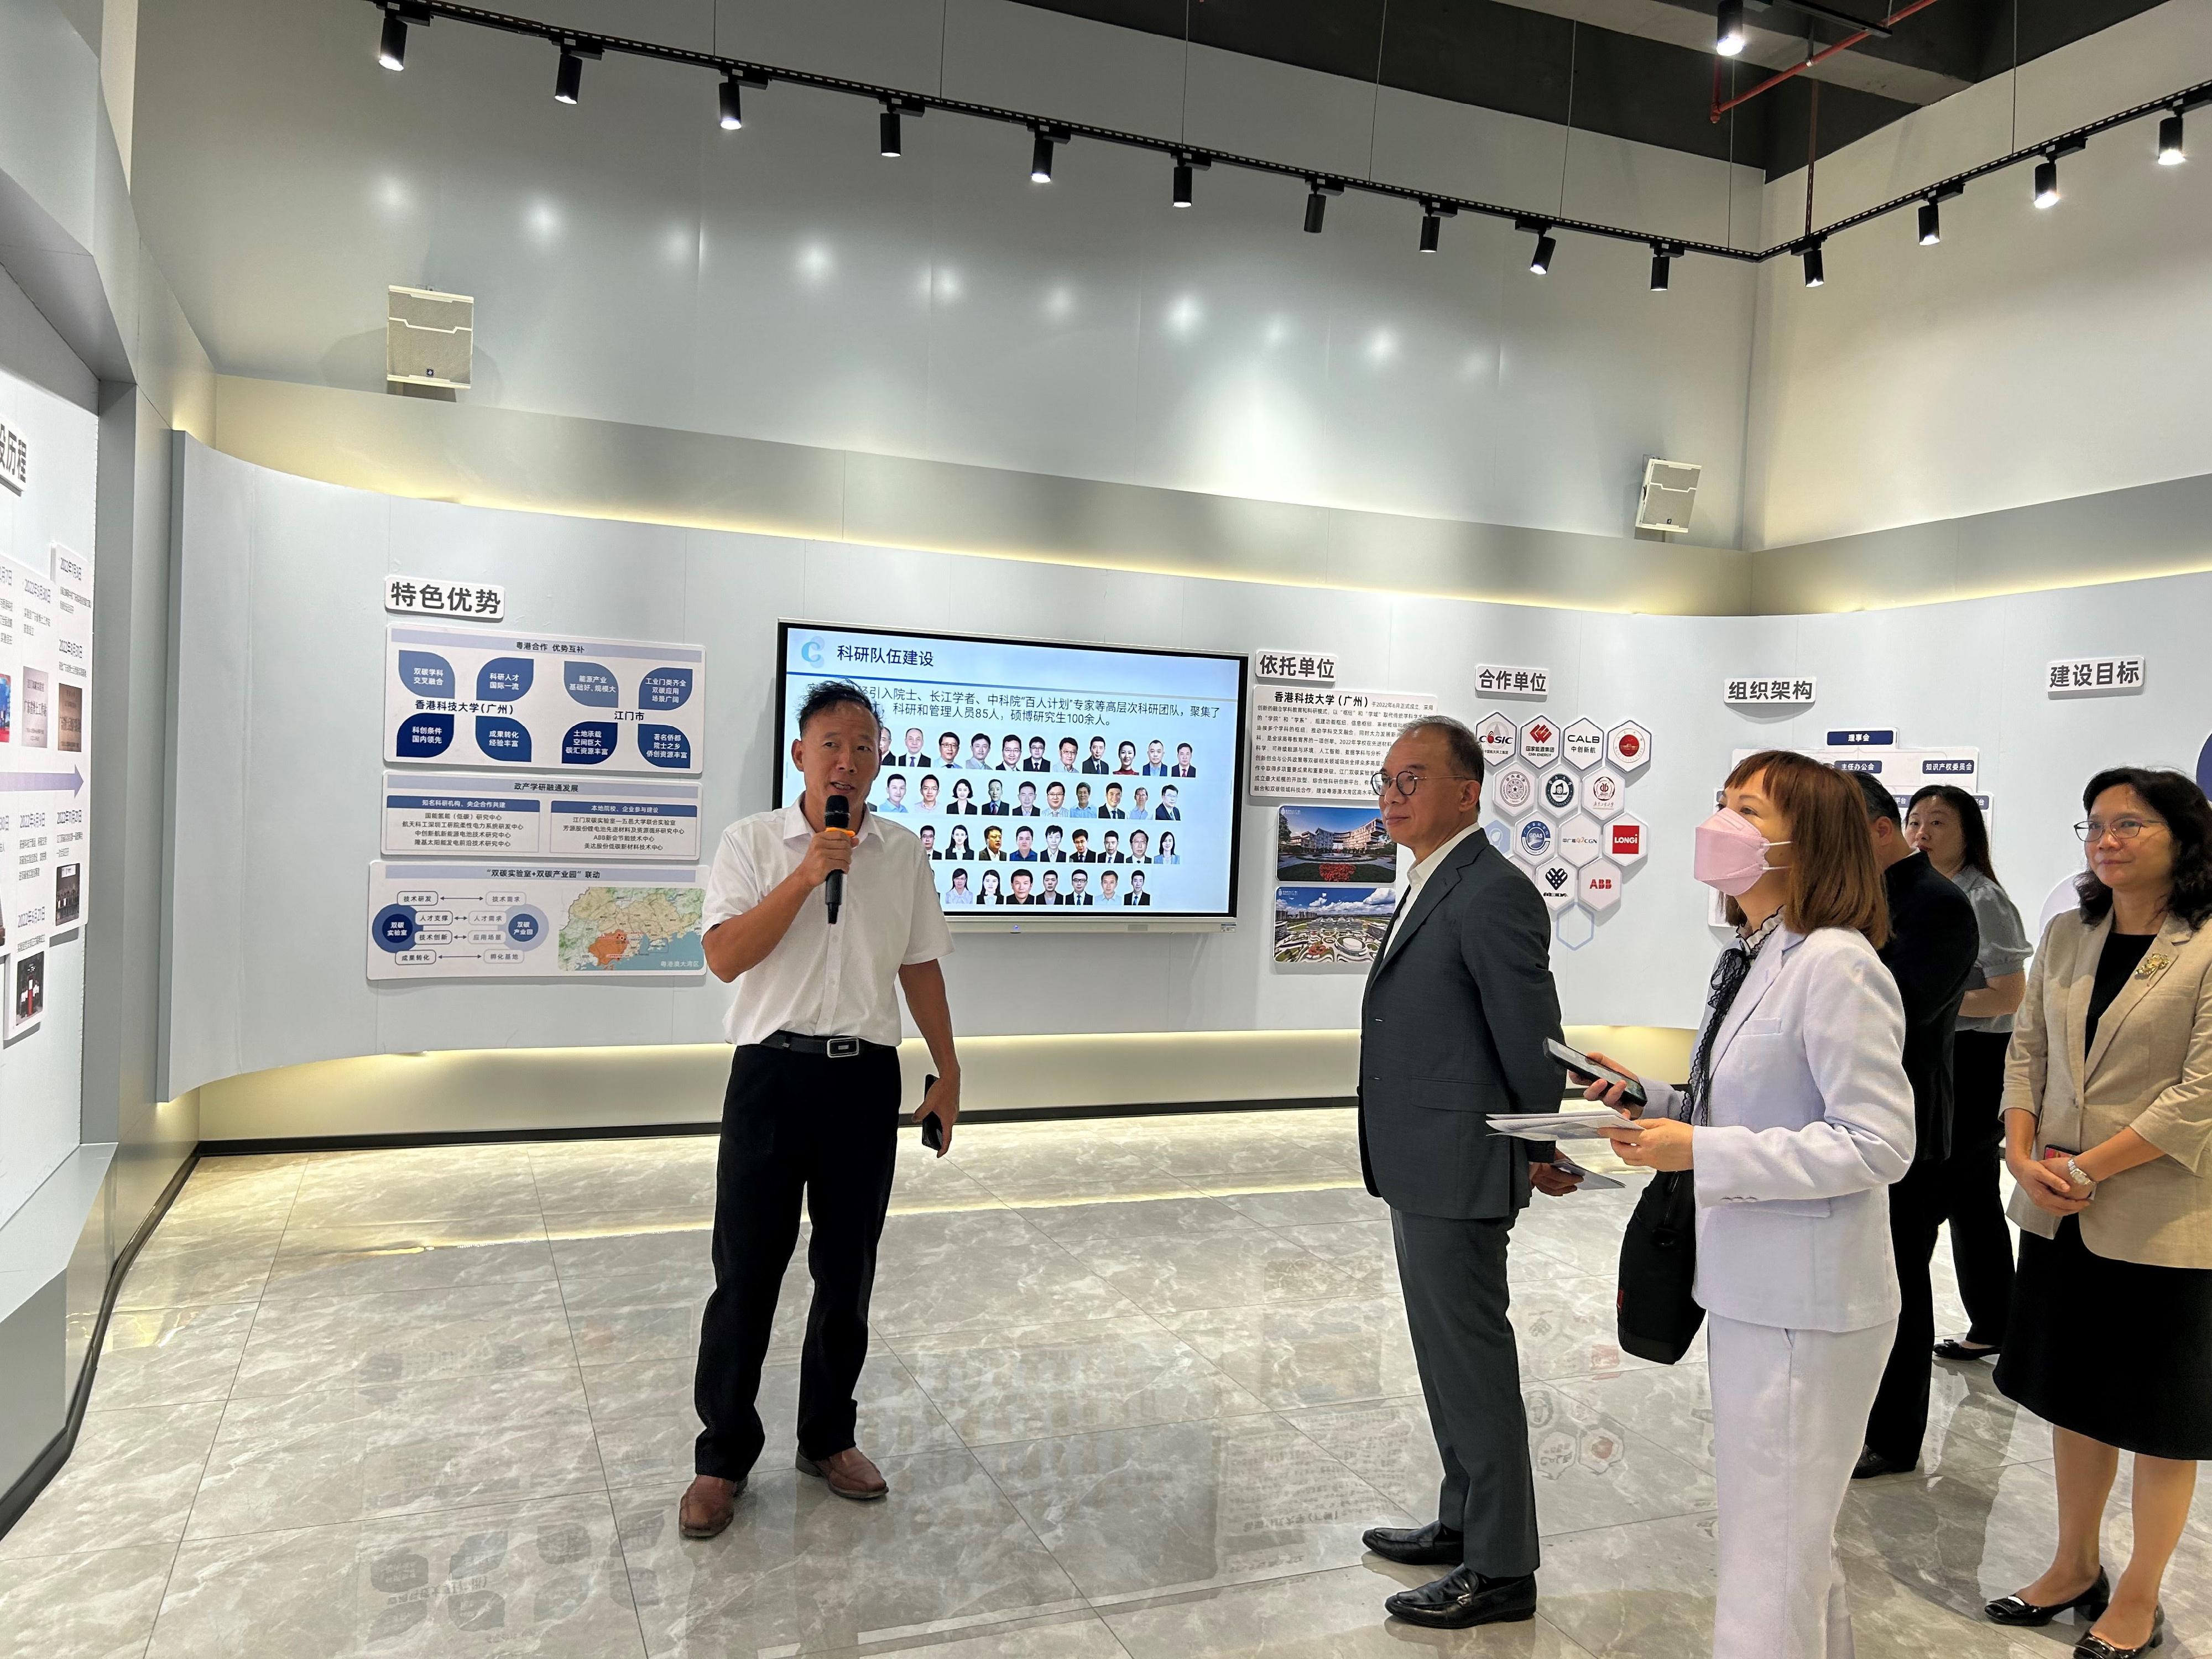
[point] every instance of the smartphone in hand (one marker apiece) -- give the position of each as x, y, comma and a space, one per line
1583, 1066
933, 1127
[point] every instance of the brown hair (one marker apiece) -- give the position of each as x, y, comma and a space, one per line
1833, 880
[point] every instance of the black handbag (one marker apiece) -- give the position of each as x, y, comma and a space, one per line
1657, 1312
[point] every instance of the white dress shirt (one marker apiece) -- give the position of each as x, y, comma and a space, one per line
820, 980
1421, 871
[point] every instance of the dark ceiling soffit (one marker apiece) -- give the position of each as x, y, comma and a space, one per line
2190, 97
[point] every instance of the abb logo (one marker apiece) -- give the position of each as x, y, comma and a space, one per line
1625, 840
1602, 884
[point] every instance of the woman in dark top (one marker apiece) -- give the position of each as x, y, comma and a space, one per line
964, 799
1945, 821
956, 848
2108, 1133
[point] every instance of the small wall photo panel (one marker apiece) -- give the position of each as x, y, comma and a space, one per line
1331, 929
1332, 844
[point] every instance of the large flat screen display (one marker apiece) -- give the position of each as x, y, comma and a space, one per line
1076, 780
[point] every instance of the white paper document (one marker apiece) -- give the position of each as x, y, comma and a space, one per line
1569, 1123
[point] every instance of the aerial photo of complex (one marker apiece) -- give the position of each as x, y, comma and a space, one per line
1331, 927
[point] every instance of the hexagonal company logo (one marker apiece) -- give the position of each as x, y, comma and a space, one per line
1579, 839
1537, 838
1561, 790
1500, 834
1628, 746
1604, 792
1626, 840
1584, 743
1513, 790
1555, 881
1540, 741
1600, 888
1496, 735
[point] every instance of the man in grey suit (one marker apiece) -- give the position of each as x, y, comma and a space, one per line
1458, 1004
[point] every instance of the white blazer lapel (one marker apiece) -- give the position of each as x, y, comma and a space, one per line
1766, 968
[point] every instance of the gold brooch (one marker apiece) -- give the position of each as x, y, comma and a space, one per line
2154, 965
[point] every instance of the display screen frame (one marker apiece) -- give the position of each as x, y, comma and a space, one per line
1053, 916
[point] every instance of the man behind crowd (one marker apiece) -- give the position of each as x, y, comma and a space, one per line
812, 1106
1461, 991
1933, 941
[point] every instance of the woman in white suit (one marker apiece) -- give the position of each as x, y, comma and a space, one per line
1797, 1118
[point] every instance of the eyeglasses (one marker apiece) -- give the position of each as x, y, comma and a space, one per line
2094, 830
1406, 782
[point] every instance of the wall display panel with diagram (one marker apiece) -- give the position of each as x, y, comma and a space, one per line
48, 450
1068, 778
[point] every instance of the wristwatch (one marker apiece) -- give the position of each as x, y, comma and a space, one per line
2077, 1174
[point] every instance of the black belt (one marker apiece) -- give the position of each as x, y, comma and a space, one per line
830, 1048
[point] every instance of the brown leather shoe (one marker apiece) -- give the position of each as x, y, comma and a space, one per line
849, 1475
708, 1505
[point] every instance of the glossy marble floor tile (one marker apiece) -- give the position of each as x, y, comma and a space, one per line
800, 1569
131, 1481
97, 1604
511, 1578
1029, 1382
1136, 1511
407, 1256
404, 1336
168, 1356
1325, 1615
352, 1454
1139, 1384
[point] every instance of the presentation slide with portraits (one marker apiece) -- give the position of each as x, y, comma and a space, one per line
1072, 778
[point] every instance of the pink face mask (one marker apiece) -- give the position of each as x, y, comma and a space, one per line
1731, 854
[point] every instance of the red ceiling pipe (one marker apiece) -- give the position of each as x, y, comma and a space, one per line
1776, 80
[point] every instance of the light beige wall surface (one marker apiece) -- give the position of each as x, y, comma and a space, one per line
521, 1091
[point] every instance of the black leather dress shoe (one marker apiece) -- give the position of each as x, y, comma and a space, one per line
2090, 1604
1872, 1464
1432, 1546
2094, 1646
1463, 1599
1952, 1349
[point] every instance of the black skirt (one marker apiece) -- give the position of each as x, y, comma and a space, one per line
2150, 1393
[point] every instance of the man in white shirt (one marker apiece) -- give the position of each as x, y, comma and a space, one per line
812, 1107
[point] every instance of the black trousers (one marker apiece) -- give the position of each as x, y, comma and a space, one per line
1452, 1273
1899, 1422
792, 1124
1981, 1243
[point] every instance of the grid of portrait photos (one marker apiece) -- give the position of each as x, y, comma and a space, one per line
1336, 870
1064, 818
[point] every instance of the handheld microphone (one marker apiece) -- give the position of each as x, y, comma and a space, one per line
836, 814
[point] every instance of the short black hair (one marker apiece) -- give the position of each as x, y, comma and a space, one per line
1880, 803
2174, 796
830, 694
1460, 742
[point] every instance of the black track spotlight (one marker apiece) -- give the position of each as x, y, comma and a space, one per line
1432, 230
1728, 28
1316, 207
392, 48
887, 131
2046, 182
1815, 269
1540, 261
569, 79
1931, 224
1040, 158
1663, 265
1182, 182
2171, 154
733, 114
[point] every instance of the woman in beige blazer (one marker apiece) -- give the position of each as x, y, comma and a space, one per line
2108, 1133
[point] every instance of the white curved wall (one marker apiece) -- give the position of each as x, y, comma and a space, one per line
632, 262
281, 653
